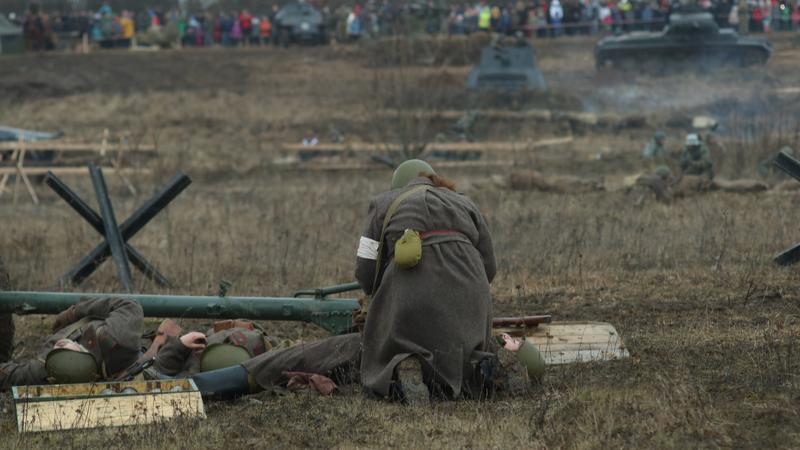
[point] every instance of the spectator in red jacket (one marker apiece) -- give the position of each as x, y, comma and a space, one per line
246, 25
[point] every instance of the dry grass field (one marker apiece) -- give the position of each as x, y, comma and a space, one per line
712, 325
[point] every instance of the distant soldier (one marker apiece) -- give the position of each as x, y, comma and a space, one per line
660, 183
696, 158
655, 147
95, 339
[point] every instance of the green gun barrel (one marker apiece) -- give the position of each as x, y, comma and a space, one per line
334, 315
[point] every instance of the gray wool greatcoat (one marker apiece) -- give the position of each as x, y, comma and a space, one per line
439, 310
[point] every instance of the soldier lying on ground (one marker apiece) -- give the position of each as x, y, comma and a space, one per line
228, 343
337, 359
659, 182
94, 339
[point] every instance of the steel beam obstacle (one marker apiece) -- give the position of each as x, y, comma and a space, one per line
115, 243
784, 161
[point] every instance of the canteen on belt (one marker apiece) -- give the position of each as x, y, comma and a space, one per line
408, 249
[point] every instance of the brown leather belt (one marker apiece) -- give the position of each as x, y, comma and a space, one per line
426, 234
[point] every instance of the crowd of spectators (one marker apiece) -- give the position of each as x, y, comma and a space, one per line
110, 29
552, 18
533, 18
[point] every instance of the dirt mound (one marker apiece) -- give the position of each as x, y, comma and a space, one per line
57, 75
20, 90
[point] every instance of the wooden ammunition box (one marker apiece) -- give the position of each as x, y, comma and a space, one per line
573, 342
91, 405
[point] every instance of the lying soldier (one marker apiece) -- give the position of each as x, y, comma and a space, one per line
228, 343
95, 339
337, 360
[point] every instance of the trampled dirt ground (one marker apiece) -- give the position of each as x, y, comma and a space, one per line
712, 325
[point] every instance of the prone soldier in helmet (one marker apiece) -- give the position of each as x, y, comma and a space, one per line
228, 343
94, 339
336, 360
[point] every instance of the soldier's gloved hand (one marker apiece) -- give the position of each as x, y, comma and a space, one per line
64, 318
194, 340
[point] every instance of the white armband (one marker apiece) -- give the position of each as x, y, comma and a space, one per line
367, 248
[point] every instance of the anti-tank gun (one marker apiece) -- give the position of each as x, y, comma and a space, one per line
559, 342
311, 306
335, 315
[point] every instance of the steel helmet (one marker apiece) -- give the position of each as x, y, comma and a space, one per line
692, 140
66, 366
663, 171
409, 170
530, 357
220, 356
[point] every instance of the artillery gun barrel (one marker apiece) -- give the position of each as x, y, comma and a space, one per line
334, 315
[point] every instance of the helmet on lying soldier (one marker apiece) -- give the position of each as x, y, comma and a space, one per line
220, 356
66, 366
663, 171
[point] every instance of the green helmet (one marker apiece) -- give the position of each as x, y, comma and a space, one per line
409, 170
530, 357
663, 171
66, 366
220, 356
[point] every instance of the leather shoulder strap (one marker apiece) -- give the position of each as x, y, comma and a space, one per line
74, 326
389, 213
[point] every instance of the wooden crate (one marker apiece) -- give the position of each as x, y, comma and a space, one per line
573, 342
76, 406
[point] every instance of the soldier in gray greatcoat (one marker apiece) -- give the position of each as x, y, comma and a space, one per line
435, 317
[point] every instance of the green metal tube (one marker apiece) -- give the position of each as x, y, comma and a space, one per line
327, 290
334, 315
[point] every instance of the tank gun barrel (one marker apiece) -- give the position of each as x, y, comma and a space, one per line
334, 315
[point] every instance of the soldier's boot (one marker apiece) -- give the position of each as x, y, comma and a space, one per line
487, 369
411, 386
224, 384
